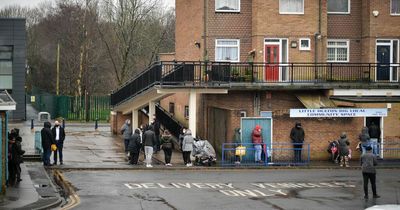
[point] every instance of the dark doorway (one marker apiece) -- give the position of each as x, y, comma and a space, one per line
376, 120
383, 59
217, 128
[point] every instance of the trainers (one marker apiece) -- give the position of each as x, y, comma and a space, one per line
377, 196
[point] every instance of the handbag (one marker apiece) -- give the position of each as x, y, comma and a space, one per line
167, 145
53, 147
240, 150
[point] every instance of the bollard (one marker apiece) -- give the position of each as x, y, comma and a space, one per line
32, 126
63, 123
96, 125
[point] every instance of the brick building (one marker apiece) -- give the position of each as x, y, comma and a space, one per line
253, 58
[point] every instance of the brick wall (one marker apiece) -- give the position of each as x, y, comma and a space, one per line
318, 130
180, 100
189, 29
348, 26
268, 23
223, 25
117, 121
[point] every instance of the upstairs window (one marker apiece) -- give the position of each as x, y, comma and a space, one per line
227, 5
395, 7
338, 51
291, 6
227, 50
339, 6
6, 58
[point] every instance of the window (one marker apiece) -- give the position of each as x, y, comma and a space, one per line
227, 50
186, 114
6, 67
171, 108
395, 7
291, 6
304, 44
339, 6
338, 51
227, 5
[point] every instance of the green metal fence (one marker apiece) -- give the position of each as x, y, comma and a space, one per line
77, 108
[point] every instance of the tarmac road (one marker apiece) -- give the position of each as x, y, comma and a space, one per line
231, 189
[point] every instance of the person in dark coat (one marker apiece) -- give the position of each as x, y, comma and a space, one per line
15, 153
59, 136
297, 136
368, 163
149, 140
47, 141
21, 152
375, 134
156, 126
344, 150
134, 147
167, 145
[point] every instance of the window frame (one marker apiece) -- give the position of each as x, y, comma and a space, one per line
347, 47
11, 60
186, 112
290, 13
171, 108
216, 47
393, 14
233, 11
305, 48
340, 13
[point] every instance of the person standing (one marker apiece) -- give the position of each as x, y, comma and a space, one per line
167, 146
47, 141
368, 163
149, 139
375, 135
156, 125
187, 147
344, 150
181, 137
134, 147
257, 139
126, 132
297, 136
59, 135
15, 153
364, 139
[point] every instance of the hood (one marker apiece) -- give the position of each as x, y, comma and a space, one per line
137, 131
364, 130
343, 135
298, 124
258, 127
47, 125
151, 127
188, 132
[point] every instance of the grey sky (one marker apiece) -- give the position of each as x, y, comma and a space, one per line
4, 3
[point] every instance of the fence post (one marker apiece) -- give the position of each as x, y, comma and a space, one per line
223, 154
63, 123
292, 73
96, 125
32, 126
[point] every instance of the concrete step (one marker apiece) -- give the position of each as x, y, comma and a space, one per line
32, 157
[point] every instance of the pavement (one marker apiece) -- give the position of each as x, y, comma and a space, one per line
87, 149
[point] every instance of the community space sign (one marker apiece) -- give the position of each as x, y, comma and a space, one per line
340, 112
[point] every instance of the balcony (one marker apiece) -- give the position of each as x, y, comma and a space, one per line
258, 75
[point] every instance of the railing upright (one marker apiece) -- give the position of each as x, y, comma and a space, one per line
291, 73
331, 72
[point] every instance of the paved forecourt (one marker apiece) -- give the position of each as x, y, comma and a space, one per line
230, 189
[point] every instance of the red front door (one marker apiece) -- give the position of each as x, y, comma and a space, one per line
272, 63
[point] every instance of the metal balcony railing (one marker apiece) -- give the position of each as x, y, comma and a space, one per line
210, 73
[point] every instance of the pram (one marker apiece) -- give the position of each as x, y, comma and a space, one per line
204, 153
333, 150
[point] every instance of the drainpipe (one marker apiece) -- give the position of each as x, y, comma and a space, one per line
205, 57
318, 34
